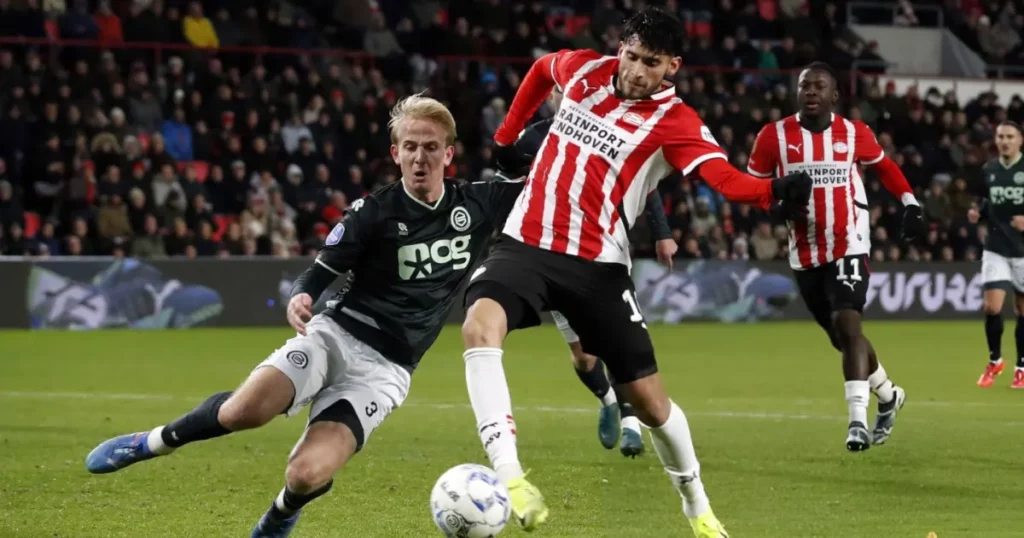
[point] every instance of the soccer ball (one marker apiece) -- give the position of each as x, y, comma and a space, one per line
469, 501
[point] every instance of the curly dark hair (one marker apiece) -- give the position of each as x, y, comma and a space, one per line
656, 29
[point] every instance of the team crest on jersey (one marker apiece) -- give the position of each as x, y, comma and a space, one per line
336, 234
1018, 178
840, 147
633, 118
460, 219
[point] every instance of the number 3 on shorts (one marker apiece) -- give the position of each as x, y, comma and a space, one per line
630, 297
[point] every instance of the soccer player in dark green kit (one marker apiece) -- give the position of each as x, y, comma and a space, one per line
1002, 262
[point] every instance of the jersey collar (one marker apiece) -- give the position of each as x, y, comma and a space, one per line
832, 119
667, 90
1011, 165
435, 205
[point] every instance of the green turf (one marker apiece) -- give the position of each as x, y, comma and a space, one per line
765, 404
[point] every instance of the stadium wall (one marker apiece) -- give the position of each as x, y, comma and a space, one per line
96, 293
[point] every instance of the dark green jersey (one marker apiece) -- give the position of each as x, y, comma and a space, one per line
406, 260
1005, 199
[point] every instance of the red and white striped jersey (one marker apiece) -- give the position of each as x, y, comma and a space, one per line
837, 220
601, 158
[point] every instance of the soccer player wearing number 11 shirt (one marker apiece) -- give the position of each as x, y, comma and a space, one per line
619, 130
829, 240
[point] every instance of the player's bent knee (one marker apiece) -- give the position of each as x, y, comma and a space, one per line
651, 404
324, 449
305, 474
485, 324
848, 328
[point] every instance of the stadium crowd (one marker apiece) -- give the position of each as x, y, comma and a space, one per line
109, 149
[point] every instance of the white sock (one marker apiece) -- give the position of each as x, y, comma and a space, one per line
857, 396
608, 398
631, 423
881, 386
279, 503
492, 405
156, 442
996, 362
674, 446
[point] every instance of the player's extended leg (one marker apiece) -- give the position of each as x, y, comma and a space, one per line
670, 433
324, 449
264, 395
993, 308
591, 372
483, 333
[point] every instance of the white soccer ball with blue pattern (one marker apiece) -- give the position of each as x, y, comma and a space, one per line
469, 501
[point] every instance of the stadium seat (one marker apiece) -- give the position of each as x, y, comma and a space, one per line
222, 222
32, 223
202, 168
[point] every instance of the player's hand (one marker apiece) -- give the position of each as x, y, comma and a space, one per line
1018, 222
913, 224
300, 310
512, 162
794, 189
666, 249
787, 211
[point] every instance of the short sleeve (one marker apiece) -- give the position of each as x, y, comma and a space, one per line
567, 62
689, 142
868, 150
764, 158
348, 240
497, 196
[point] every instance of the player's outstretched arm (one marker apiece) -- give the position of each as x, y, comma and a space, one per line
689, 146
548, 71
793, 190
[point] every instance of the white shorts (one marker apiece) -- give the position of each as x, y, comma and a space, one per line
329, 364
996, 269
563, 325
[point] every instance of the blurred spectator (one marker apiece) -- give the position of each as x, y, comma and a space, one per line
116, 153
198, 29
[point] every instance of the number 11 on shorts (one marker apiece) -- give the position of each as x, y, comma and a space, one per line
630, 299
854, 270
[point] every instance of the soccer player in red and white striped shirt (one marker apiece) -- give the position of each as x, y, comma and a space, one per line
619, 129
830, 239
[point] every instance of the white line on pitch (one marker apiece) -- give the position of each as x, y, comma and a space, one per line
532, 408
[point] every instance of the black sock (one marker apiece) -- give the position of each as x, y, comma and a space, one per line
625, 408
1019, 335
994, 335
293, 502
595, 379
198, 425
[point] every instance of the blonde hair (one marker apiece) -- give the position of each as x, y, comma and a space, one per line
417, 106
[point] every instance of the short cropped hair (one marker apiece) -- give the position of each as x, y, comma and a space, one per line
418, 106
826, 68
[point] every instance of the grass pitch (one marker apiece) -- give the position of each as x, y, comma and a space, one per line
765, 404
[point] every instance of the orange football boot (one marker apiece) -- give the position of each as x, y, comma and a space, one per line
1018, 379
991, 371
